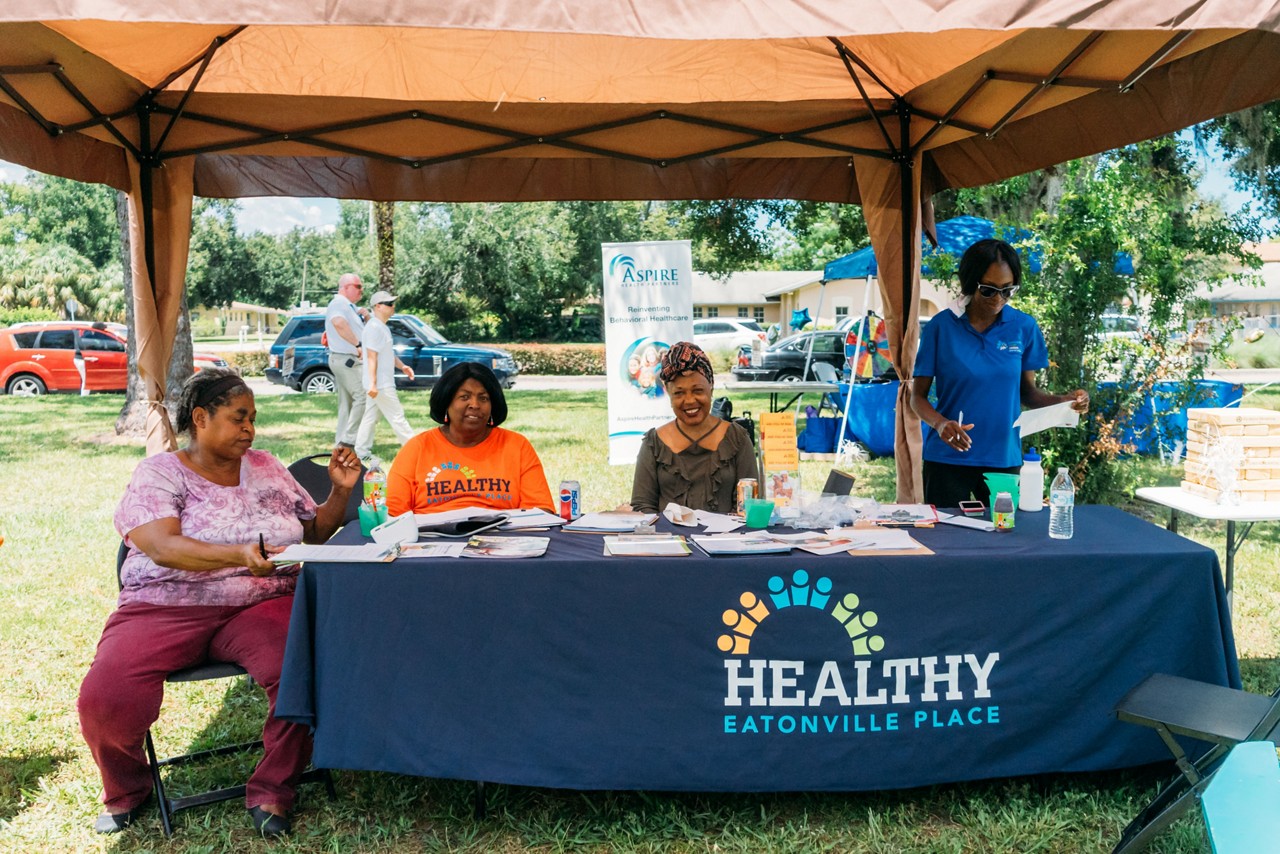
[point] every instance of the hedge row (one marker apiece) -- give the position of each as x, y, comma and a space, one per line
248, 363
557, 359
10, 316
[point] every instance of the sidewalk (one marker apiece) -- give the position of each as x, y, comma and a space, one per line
531, 382
596, 382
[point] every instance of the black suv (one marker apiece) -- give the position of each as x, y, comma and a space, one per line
298, 357
784, 361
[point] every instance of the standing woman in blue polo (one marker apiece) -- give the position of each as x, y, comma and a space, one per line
983, 354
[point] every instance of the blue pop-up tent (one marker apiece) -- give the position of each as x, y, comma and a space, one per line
954, 237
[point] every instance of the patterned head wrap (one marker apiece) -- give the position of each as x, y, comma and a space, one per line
684, 358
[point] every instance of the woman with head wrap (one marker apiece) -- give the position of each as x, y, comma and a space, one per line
695, 459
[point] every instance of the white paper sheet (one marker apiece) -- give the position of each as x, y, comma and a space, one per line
523, 520
717, 523
365, 553
444, 516
1032, 421
645, 546
436, 548
877, 539
602, 523
965, 522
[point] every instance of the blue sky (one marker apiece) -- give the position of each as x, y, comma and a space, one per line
278, 215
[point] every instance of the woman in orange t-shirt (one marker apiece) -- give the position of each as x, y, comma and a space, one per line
469, 460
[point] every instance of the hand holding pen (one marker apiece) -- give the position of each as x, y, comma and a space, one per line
258, 557
956, 433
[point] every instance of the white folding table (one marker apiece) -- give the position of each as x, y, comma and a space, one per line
1178, 500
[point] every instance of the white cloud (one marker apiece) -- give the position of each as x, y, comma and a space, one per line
11, 173
277, 215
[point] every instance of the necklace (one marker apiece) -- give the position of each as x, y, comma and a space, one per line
705, 434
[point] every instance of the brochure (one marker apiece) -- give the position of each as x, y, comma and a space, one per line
740, 544
506, 547
902, 515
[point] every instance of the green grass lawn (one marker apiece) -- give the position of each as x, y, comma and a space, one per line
64, 471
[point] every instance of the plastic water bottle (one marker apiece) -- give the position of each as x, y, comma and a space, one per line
1031, 483
1062, 500
375, 483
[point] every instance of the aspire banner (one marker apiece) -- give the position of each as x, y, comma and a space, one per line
648, 306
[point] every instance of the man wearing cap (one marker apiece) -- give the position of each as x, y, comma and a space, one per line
343, 325
380, 362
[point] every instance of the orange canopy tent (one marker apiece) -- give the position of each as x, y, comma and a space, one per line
876, 103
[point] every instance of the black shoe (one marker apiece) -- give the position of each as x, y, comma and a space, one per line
270, 825
116, 822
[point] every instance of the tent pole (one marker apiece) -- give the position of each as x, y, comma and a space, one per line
146, 189
853, 366
908, 215
808, 356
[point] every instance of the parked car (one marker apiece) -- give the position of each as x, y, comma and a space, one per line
40, 357
784, 361
299, 358
726, 333
1122, 326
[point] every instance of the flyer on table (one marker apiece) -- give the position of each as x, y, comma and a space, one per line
648, 306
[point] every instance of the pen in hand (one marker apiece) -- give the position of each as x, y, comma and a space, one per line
262, 547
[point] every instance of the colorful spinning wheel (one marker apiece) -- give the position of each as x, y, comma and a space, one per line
871, 350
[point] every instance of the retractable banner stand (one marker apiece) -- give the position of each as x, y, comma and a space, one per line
648, 306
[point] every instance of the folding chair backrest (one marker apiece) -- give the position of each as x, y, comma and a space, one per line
312, 474
824, 372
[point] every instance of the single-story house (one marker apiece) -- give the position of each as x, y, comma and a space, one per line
1244, 299
241, 316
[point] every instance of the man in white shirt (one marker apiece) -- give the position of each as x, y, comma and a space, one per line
380, 362
343, 325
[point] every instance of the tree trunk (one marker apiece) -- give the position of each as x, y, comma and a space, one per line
133, 415
384, 214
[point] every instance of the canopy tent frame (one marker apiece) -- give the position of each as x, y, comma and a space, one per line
225, 151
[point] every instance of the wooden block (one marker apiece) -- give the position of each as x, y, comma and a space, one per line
1233, 415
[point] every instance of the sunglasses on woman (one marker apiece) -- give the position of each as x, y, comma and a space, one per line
990, 291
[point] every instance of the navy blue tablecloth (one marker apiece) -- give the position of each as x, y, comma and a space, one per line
999, 655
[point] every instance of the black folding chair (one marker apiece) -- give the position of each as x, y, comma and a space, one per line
169, 806
1174, 706
312, 473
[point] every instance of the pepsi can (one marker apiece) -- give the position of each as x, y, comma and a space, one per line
570, 500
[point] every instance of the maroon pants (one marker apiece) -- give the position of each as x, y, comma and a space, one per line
140, 646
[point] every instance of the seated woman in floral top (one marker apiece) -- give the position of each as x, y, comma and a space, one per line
198, 583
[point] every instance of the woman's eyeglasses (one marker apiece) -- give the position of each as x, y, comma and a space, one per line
990, 291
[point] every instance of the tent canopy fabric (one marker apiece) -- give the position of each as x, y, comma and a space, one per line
879, 103
954, 236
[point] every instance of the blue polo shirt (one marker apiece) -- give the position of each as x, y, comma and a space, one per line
980, 374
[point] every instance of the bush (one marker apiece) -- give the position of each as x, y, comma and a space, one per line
249, 363
557, 359
208, 327
25, 314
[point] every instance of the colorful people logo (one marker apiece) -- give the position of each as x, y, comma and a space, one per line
641, 364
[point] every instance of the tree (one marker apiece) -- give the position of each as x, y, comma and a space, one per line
1139, 200
384, 218
219, 267
1252, 139
814, 233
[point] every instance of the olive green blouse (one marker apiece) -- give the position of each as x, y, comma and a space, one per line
696, 477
